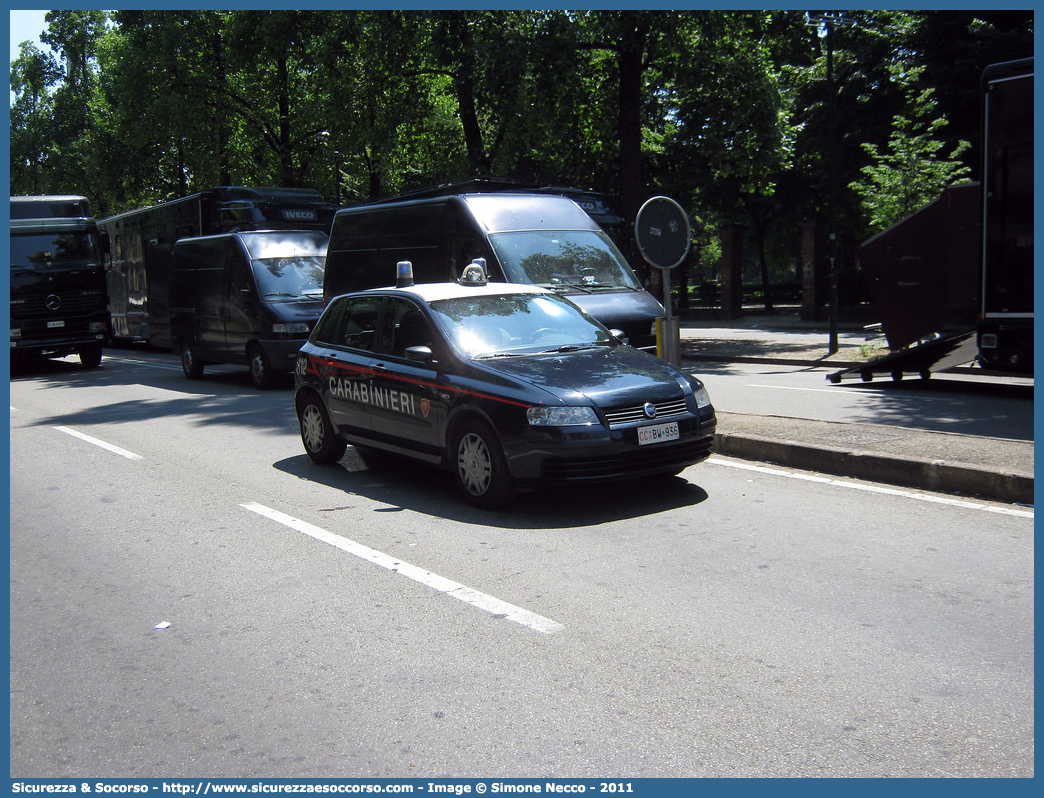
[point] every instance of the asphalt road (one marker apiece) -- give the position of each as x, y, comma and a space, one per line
190, 596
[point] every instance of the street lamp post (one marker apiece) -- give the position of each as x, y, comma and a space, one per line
324, 137
825, 23
828, 23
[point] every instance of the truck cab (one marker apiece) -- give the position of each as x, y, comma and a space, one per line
59, 303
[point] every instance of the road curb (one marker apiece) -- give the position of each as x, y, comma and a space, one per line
931, 475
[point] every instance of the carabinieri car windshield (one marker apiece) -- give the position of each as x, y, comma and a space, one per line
508, 386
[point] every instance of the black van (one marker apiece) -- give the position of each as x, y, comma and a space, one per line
249, 297
525, 238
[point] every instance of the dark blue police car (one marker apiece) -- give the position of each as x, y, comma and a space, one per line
508, 386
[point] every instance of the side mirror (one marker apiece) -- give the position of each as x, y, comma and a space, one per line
419, 354
619, 335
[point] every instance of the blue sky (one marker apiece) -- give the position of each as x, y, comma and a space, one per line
26, 25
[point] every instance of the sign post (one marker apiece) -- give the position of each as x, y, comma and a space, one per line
663, 234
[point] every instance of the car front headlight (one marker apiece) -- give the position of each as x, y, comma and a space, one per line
702, 397
561, 416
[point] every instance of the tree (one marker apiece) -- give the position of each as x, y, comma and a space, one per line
731, 113
162, 115
389, 109
51, 127
910, 172
730, 123
32, 75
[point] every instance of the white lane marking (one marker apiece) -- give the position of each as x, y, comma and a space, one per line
871, 488
854, 393
102, 444
483, 601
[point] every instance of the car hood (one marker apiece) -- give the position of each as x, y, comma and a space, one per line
297, 309
602, 376
630, 311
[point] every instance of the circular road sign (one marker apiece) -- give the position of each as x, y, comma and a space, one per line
662, 231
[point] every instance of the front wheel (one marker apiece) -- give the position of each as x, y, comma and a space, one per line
317, 433
480, 468
91, 356
260, 369
190, 362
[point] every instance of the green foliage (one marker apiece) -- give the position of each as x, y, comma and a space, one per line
32, 73
911, 171
730, 112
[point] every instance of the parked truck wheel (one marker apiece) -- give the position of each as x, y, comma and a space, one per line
91, 356
261, 374
190, 362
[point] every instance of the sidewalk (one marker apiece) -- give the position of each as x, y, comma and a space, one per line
972, 466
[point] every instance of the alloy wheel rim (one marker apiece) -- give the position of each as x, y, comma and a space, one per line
474, 464
312, 427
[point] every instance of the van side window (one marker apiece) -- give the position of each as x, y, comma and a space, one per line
462, 251
238, 272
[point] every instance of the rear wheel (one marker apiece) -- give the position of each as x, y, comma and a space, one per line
480, 468
317, 433
190, 362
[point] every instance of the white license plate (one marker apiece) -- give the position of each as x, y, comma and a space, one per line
52, 324
658, 434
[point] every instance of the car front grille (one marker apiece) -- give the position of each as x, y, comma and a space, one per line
620, 416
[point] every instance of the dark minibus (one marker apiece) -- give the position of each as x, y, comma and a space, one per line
524, 238
249, 297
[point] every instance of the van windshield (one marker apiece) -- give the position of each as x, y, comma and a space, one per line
290, 278
570, 260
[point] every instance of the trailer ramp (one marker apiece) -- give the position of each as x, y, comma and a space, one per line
936, 354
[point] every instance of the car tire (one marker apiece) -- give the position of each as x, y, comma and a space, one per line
91, 356
317, 433
260, 368
479, 466
190, 362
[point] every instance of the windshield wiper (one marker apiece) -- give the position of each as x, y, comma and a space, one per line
491, 355
566, 287
575, 347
